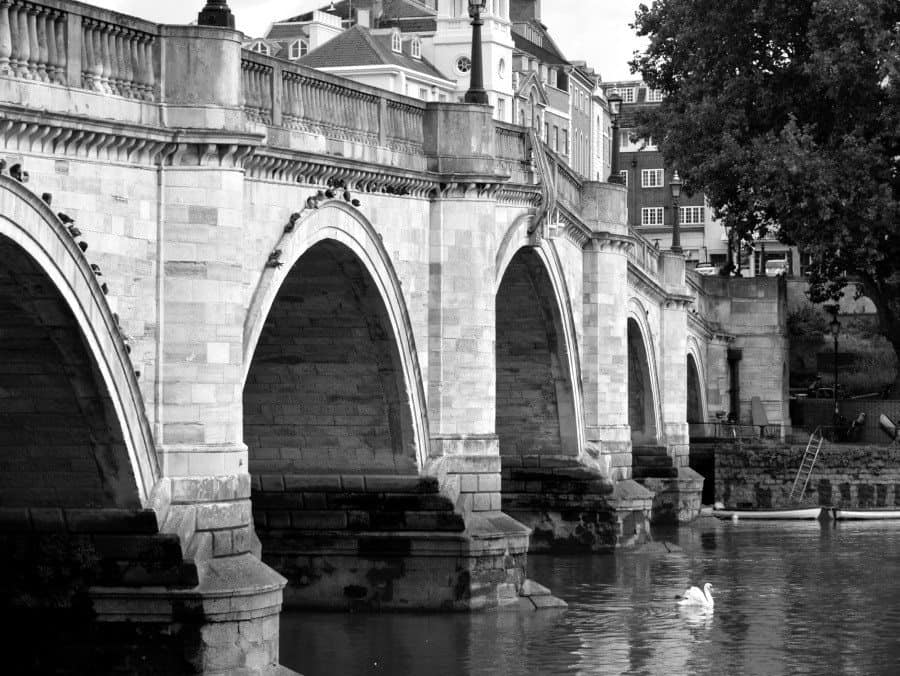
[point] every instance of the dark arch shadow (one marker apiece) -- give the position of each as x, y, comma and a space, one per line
62, 441
694, 392
325, 390
641, 405
535, 402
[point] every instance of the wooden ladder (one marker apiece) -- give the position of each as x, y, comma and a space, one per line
813, 446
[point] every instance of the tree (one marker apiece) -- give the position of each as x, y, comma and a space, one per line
786, 114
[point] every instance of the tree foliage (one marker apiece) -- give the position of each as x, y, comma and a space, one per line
786, 114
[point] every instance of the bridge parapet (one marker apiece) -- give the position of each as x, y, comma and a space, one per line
79, 46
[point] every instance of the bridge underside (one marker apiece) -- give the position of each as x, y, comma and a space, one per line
339, 505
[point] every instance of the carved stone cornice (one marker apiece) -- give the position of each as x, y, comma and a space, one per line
216, 150
85, 138
268, 164
78, 137
568, 225
708, 330
519, 195
462, 187
678, 301
611, 241
638, 279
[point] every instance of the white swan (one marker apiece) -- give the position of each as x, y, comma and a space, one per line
695, 597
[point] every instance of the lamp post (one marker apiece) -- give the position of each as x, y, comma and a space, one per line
476, 93
835, 327
615, 107
216, 13
675, 187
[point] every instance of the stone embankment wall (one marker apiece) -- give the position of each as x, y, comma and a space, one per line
761, 475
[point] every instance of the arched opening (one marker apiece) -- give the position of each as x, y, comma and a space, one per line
694, 393
61, 439
641, 405
535, 404
325, 392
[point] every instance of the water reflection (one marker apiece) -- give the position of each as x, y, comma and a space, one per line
804, 598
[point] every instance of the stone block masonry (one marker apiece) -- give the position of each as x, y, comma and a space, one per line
761, 475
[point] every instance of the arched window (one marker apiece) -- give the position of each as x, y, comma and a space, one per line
297, 49
501, 69
415, 48
397, 43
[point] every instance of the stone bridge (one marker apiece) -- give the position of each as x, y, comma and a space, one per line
255, 318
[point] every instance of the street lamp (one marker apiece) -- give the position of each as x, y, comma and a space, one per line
216, 13
675, 187
835, 327
615, 107
476, 93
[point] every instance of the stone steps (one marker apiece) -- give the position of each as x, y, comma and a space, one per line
356, 504
652, 462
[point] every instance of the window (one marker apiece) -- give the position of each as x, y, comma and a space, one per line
415, 48
553, 77
627, 94
396, 43
648, 144
556, 138
501, 70
297, 49
651, 178
690, 215
624, 174
423, 93
565, 141
260, 48
463, 65
546, 132
501, 108
652, 216
654, 96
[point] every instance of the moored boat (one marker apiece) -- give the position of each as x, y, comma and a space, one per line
866, 514
774, 514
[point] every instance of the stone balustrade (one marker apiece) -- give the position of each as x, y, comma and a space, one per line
79, 46
513, 151
644, 254
102, 52
256, 84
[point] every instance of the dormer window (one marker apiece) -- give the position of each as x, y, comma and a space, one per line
297, 49
415, 48
396, 43
260, 48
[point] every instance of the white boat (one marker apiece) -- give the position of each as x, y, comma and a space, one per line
775, 514
873, 514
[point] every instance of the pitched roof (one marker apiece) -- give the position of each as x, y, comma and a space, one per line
391, 9
546, 53
359, 46
280, 31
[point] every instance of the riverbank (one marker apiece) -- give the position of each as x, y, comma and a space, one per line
761, 474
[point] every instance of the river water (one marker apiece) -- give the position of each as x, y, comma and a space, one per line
791, 598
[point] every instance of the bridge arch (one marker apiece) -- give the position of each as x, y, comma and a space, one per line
644, 405
338, 301
539, 394
696, 383
74, 421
